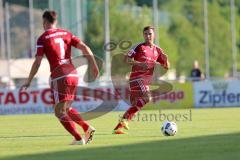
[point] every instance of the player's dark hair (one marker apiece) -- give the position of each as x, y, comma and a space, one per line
50, 16
147, 28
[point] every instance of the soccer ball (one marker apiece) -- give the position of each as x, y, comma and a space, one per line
169, 128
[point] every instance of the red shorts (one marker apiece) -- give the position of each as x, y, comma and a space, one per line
138, 89
64, 88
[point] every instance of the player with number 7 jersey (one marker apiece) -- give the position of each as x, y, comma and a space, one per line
55, 44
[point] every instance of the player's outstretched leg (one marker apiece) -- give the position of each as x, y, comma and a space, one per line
128, 115
68, 124
88, 130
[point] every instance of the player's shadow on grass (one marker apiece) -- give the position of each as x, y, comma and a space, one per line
219, 147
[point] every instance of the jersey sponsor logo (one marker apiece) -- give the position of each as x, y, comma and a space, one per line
148, 58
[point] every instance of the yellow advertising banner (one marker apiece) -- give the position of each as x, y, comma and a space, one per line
181, 96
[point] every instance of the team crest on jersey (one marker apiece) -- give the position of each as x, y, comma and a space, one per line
155, 53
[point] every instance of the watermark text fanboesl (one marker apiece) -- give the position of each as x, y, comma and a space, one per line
161, 116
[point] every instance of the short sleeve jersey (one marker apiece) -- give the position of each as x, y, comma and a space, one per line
149, 55
56, 44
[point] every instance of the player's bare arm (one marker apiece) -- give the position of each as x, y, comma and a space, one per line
35, 66
166, 65
164, 61
89, 55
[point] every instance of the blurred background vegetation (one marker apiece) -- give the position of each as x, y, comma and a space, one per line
180, 32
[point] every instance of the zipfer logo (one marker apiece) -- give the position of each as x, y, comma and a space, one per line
219, 98
117, 50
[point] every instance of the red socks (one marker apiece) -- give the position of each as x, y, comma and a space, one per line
134, 109
130, 113
69, 125
73, 113
68, 122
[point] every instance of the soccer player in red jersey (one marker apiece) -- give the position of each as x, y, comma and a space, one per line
143, 58
55, 44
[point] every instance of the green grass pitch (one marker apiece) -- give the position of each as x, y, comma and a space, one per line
204, 134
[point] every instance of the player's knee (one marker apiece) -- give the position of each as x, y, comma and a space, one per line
133, 102
57, 114
60, 110
146, 98
140, 103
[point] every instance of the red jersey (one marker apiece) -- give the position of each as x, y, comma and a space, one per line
56, 45
145, 54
